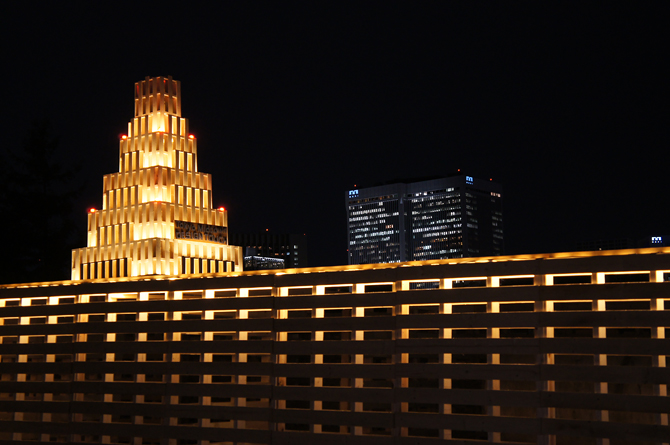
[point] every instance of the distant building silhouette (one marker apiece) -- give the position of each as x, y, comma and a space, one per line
292, 248
655, 241
253, 261
452, 217
623, 243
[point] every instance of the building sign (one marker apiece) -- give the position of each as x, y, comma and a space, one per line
657, 240
468, 180
353, 193
200, 232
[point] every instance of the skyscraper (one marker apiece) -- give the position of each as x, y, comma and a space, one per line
157, 216
453, 217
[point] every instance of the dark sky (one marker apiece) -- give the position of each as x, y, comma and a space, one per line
564, 103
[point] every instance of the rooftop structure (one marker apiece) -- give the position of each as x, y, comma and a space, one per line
563, 348
252, 261
157, 216
289, 247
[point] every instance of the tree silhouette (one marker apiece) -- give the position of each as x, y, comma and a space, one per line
36, 193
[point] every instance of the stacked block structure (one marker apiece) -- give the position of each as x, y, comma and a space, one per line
157, 216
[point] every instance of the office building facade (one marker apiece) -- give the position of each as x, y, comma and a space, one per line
453, 217
556, 349
157, 216
292, 248
252, 261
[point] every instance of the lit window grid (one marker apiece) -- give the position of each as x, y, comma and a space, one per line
417, 241
374, 232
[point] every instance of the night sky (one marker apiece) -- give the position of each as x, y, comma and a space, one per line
564, 104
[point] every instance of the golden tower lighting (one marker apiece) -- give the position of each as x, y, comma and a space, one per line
157, 216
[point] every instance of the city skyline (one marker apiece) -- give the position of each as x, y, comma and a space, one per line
562, 106
293, 105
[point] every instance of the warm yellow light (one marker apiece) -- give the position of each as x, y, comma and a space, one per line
124, 137
190, 136
91, 210
222, 209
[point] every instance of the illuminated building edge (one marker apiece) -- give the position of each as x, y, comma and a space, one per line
478, 348
157, 193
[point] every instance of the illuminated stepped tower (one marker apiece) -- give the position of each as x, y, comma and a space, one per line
157, 216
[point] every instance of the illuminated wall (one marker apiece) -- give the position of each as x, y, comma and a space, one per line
556, 349
157, 216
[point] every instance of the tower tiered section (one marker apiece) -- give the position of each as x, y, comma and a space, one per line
157, 216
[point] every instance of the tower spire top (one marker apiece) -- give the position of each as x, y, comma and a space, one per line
157, 95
